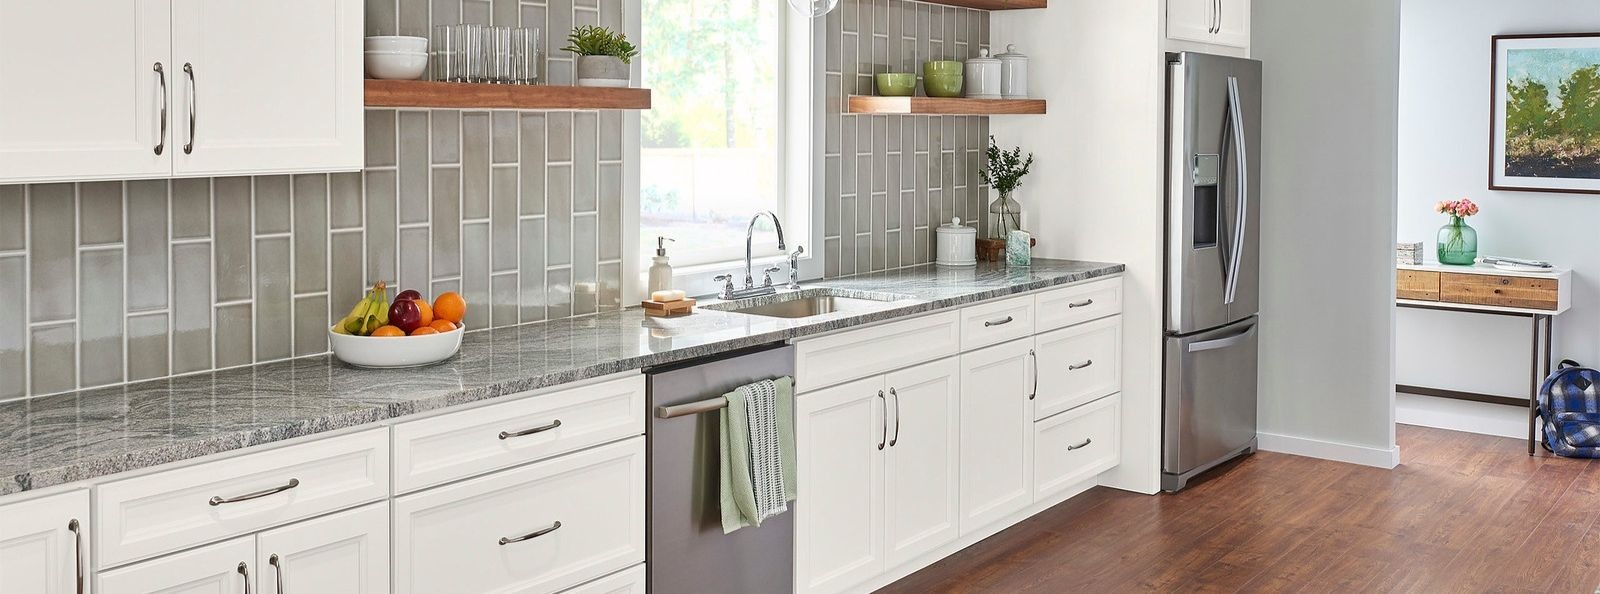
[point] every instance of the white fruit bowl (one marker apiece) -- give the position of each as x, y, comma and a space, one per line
395, 351
396, 65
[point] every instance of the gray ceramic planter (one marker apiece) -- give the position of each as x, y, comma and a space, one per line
602, 71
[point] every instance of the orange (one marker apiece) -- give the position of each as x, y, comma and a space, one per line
424, 330
427, 312
443, 326
388, 331
450, 306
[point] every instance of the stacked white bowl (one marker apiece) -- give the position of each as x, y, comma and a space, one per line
396, 57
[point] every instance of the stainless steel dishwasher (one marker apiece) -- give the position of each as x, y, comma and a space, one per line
688, 553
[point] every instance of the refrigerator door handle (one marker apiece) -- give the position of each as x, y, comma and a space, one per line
1222, 343
1242, 187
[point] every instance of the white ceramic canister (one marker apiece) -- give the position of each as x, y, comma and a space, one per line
1013, 73
983, 76
957, 244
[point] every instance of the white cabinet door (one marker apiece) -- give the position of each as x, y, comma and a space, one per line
1191, 20
1233, 23
223, 568
81, 97
996, 432
840, 435
269, 86
1077, 365
43, 548
345, 553
921, 470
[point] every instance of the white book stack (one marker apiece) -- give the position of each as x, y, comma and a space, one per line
1408, 252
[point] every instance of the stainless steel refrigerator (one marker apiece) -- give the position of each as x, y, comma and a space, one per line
1213, 263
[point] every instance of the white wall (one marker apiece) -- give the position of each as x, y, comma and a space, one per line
1444, 154
1095, 191
1328, 207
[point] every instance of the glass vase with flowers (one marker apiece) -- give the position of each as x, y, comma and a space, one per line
1457, 241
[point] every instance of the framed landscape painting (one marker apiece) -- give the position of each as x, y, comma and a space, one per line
1545, 117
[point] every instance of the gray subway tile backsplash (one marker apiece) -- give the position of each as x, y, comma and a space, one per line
100, 213
52, 253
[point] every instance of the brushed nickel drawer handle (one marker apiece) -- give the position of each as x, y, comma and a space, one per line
531, 535
219, 500
1033, 356
161, 142
77, 551
540, 429
244, 570
885, 440
1082, 365
1077, 304
989, 323
1086, 442
277, 570
188, 148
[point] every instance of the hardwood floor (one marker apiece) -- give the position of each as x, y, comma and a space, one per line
1463, 513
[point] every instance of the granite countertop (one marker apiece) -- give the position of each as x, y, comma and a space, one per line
76, 436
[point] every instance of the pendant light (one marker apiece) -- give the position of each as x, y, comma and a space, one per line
813, 8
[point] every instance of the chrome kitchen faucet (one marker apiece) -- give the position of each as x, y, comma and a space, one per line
750, 289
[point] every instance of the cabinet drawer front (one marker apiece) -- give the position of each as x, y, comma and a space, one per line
222, 568
629, 581
1077, 304
1077, 365
171, 510
993, 323
458, 445
837, 358
1076, 445
449, 539
1503, 291
1422, 285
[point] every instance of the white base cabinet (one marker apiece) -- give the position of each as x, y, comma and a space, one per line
997, 385
222, 568
44, 545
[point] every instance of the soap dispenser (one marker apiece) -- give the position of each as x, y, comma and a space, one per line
660, 269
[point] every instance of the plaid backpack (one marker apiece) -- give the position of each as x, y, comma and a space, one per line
1569, 403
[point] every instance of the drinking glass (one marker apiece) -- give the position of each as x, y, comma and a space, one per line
444, 54
527, 56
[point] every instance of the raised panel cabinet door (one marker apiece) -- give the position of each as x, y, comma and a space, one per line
921, 492
227, 567
82, 95
996, 440
345, 553
1191, 20
1078, 364
840, 437
1233, 23
44, 545
267, 87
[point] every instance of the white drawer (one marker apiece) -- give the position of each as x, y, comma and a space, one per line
166, 511
449, 539
1078, 303
996, 322
837, 358
458, 445
214, 569
1078, 364
1076, 445
628, 581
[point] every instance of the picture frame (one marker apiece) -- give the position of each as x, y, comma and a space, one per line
1538, 143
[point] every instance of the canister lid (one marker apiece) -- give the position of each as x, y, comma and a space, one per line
1012, 53
955, 227
983, 58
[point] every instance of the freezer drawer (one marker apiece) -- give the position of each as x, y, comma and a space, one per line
1209, 399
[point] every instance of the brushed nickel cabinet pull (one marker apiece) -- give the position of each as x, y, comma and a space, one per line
188, 148
219, 500
77, 551
161, 141
989, 323
531, 535
244, 570
277, 570
1082, 365
1077, 304
1034, 357
1086, 442
885, 439
539, 429
896, 438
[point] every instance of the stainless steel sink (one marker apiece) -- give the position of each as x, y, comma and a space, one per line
806, 303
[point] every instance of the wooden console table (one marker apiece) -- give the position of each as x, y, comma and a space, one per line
1484, 289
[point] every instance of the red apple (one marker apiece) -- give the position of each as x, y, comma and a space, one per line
408, 294
405, 315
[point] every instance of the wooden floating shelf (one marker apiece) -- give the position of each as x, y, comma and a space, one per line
945, 106
422, 93
991, 4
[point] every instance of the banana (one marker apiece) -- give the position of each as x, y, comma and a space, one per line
371, 312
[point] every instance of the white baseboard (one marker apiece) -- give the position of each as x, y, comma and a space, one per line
1328, 450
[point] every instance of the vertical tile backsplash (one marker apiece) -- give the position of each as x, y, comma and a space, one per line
890, 180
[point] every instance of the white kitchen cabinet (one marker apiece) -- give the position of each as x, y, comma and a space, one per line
43, 545
1078, 364
921, 469
628, 581
223, 568
1214, 22
267, 87
840, 435
1076, 445
345, 553
82, 93
997, 384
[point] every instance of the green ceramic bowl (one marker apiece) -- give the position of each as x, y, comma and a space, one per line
942, 67
942, 85
896, 84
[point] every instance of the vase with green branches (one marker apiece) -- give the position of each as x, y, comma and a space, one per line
1004, 172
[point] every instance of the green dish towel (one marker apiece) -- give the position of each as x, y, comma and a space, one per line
738, 474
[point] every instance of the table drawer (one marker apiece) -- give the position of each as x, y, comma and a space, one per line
1503, 291
838, 358
166, 511
1421, 285
494, 533
1077, 304
1077, 365
1076, 445
458, 445
996, 322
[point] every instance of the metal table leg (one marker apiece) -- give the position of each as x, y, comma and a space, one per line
1533, 390
1543, 365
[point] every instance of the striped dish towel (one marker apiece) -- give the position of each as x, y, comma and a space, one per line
757, 470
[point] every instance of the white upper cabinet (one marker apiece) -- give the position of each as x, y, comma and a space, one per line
267, 87
80, 89
43, 548
1214, 22
97, 89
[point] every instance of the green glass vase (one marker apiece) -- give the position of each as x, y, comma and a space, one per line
1458, 243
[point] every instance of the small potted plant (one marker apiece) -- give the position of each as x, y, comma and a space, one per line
603, 56
1004, 173
1458, 242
